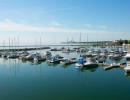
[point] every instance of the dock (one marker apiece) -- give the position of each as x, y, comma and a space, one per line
110, 66
24, 49
119, 65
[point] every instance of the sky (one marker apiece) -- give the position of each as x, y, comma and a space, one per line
56, 20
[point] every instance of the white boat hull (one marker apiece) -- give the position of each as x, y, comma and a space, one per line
79, 65
127, 69
91, 65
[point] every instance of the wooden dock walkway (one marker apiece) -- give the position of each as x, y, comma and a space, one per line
110, 66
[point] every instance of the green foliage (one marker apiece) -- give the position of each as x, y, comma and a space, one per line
128, 41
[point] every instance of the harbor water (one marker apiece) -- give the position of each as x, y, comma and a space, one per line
27, 80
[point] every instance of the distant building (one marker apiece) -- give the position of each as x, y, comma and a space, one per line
120, 42
126, 46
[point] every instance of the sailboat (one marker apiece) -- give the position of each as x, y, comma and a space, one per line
54, 49
39, 56
5, 53
13, 54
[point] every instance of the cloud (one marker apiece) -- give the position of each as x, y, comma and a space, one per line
100, 27
89, 25
12, 26
62, 9
103, 27
7, 20
55, 23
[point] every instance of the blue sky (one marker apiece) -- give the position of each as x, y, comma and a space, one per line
62, 19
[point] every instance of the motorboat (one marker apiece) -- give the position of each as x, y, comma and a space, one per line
39, 57
101, 60
66, 51
55, 59
29, 57
23, 54
90, 62
127, 56
111, 55
116, 56
13, 55
66, 61
80, 62
91, 69
5, 54
127, 68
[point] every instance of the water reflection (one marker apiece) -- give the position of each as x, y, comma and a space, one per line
65, 66
127, 74
13, 65
24, 61
17, 66
52, 64
91, 69
35, 79
37, 63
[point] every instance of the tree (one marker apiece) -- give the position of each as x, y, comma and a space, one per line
125, 42
128, 41
120, 42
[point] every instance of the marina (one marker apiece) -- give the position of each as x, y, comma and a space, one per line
64, 49
43, 78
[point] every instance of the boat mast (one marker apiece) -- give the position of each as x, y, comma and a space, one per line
87, 40
87, 37
67, 39
40, 43
9, 43
18, 43
80, 39
12, 44
4, 45
54, 41
36, 44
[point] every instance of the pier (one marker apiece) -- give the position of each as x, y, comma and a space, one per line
24, 49
92, 43
110, 66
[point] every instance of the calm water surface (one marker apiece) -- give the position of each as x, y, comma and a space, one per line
25, 80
